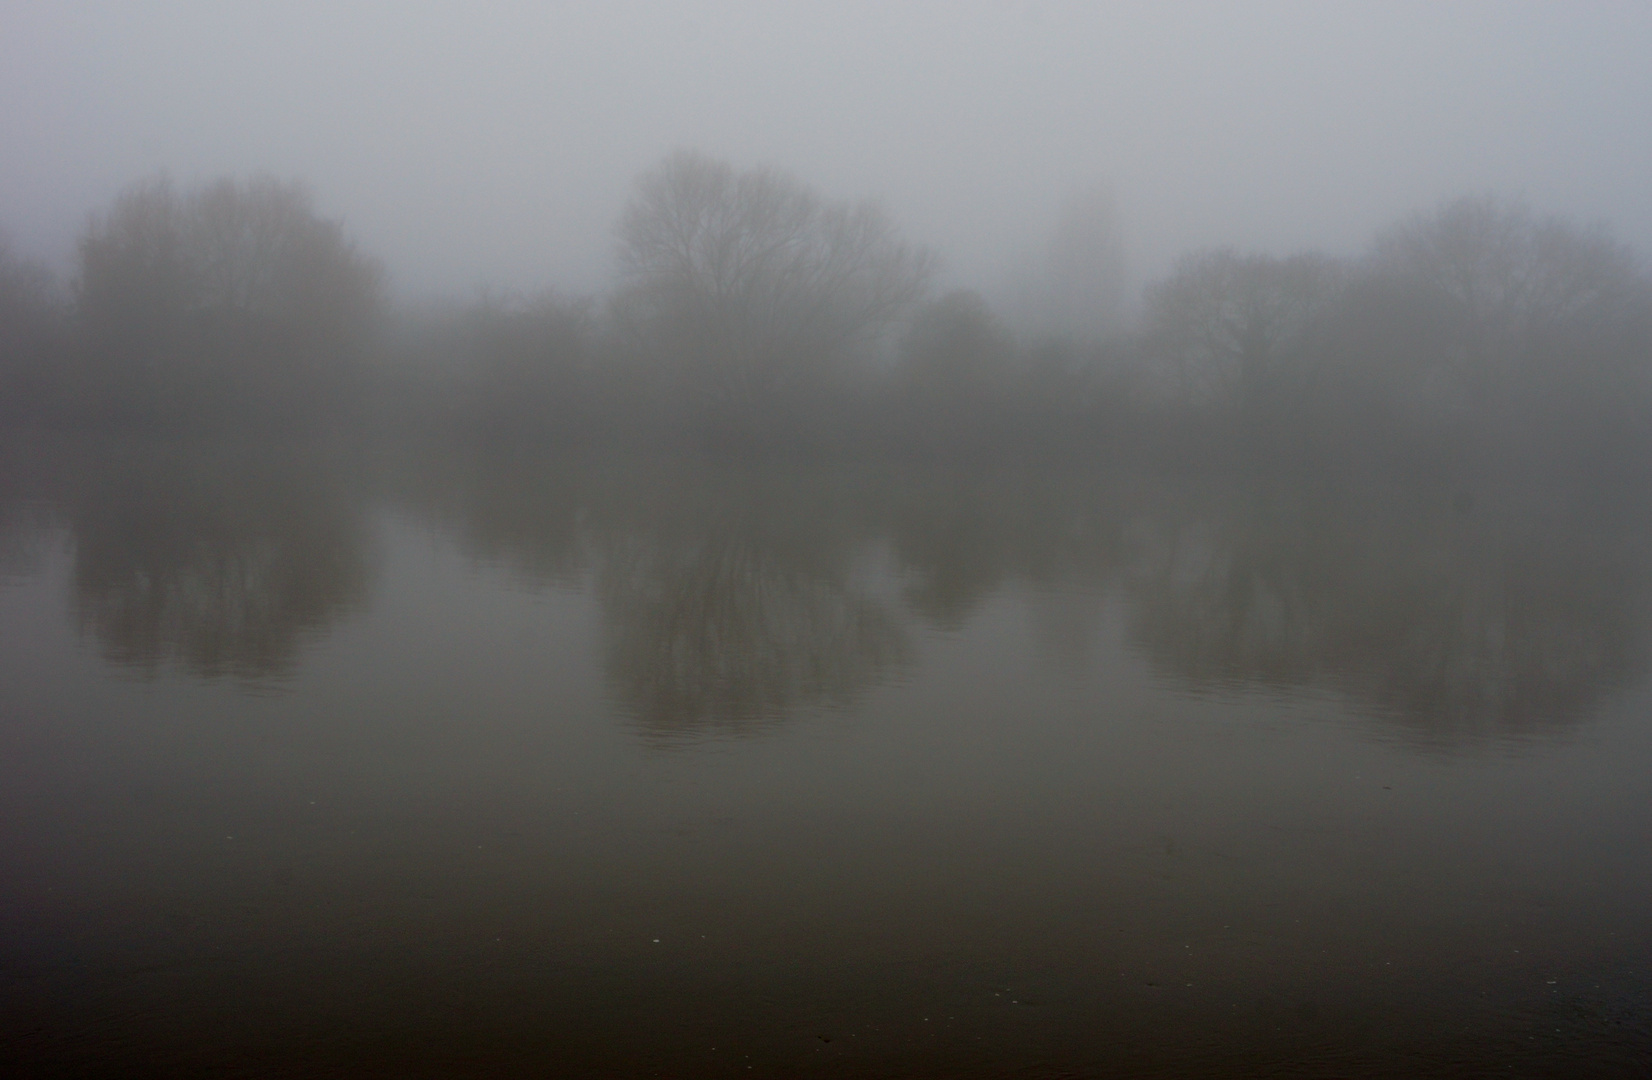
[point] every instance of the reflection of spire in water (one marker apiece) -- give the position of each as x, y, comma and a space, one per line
24, 529
723, 635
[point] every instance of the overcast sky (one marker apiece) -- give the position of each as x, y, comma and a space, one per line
493, 144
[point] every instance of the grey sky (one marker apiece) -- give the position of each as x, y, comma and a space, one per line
483, 144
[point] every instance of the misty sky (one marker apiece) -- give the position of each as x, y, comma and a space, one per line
492, 145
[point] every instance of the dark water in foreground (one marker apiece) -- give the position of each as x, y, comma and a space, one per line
440, 765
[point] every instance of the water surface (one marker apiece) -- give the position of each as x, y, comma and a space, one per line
317, 762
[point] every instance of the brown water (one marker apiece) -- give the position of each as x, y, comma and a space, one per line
411, 764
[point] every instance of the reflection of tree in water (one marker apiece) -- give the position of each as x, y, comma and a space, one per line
23, 532
727, 596
724, 588
734, 609
1525, 643
961, 536
725, 635
1211, 612
28, 522
513, 510
1452, 625
222, 567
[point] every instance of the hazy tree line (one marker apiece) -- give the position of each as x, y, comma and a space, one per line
751, 312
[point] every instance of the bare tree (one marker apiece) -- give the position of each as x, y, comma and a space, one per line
240, 257
1535, 316
1509, 273
1232, 326
27, 290
31, 331
751, 284
211, 305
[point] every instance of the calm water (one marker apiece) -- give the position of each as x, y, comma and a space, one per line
438, 764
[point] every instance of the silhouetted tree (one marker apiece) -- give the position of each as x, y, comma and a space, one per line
249, 255
748, 285
236, 288
955, 343
1509, 275
1233, 328
954, 373
1539, 321
31, 333
520, 367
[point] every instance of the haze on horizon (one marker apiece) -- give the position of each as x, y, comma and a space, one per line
495, 148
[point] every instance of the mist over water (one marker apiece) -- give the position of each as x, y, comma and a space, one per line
473, 761
1029, 540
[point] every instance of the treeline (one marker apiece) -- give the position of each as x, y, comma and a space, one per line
229, 304
751, 313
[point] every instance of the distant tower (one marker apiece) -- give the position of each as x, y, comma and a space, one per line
1073, 286
1084, 270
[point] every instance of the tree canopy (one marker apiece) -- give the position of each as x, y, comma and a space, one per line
247, 260
750, 282
1507, 273
1233, 326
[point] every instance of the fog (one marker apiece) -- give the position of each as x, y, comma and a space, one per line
928, 540
492, 147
